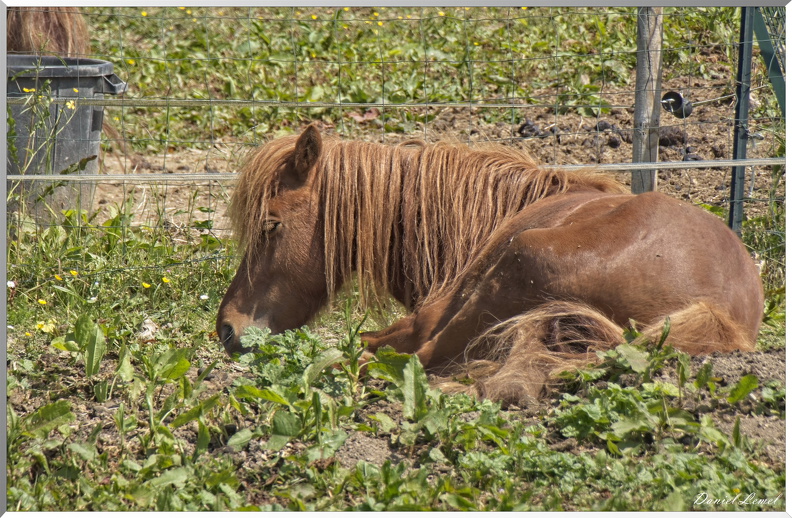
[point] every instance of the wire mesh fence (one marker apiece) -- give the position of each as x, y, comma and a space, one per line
207, 84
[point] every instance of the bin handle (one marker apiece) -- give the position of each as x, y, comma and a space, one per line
113, 85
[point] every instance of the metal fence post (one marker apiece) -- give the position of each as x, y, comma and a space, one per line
647, 96
773, 61
743, 94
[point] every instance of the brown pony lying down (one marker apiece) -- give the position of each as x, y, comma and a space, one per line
526, 269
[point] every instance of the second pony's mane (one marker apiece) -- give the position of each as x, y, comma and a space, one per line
402, 214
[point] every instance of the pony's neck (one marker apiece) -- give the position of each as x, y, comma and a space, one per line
409, 219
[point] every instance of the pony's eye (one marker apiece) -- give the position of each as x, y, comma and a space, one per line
271, 225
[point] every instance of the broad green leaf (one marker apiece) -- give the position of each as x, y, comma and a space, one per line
458, 502
174, 477
710, 432
131, 465
125, 370
334, 439
251, 392
202, 443
664, 387
325, 360
172, 364
386, 423
284, 423
41, 422
623, 428
744, 387
436, 454
240, 439
63, 344
91, 340
414, 390
195, 412
389, 365
86, 451
277, 442
637, 359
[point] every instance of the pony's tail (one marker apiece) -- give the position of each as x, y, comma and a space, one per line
517, 360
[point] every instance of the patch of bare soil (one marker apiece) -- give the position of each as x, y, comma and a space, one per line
359, 446
768, 432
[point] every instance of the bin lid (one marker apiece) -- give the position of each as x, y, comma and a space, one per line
27, 65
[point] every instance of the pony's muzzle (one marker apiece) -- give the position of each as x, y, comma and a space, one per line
230, 339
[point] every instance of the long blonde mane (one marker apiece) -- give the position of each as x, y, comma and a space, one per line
414, 215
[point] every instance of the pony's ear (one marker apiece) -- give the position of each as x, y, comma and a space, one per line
306, 153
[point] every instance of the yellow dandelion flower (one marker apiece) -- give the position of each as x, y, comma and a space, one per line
146, 285
189, 11
73, 272
131, 61
28, 334
42, 302
379, 23
476, 43
182, 8
408, 16
165, 279
143, 13
195, 20
346, 8
441, 13
523, 8
376, 13
48, 327
400, 18
58, 277
313, 17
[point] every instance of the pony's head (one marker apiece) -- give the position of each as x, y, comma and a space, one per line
275, 215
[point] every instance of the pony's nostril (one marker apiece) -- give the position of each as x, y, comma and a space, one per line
226, 334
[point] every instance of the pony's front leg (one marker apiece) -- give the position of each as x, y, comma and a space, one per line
398, 336
406, 335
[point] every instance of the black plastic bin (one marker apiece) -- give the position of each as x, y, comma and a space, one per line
63, 136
